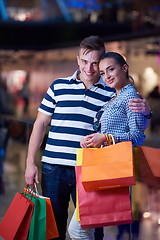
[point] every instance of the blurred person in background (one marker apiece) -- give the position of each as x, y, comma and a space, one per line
4, 110
154, 102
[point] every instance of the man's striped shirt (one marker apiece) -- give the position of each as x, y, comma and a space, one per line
73, 109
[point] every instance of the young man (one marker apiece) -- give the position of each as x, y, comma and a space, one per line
70, 106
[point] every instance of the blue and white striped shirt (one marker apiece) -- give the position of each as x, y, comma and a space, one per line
119, 120
73, 109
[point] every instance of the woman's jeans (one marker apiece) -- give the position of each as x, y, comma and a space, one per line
58, 183
77, 233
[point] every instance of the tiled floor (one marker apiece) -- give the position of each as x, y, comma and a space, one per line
14, 181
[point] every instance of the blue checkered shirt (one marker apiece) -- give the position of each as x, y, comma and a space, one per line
119, 120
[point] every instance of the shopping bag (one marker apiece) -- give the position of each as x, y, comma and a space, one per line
103, 208
79, 156
108, 167
149, 166
78, 163
37, 230
16, 222
51, 226
77, 207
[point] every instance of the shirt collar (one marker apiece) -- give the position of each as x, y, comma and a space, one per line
74, 76
100, 83
97, 84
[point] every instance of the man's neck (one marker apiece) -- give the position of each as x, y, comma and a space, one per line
87, 84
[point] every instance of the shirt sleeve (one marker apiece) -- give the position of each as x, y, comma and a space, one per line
48, 103
136, 124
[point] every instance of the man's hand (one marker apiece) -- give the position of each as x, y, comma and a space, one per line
139, 105
31, 174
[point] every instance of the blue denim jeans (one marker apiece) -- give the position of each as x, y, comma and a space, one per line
59, 183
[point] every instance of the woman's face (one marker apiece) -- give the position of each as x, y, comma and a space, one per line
113, 74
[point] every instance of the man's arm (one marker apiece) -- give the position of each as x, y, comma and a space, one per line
37, 136
140, 105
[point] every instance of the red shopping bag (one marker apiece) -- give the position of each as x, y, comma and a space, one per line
103, 208
149, 166
108, 167
16, 222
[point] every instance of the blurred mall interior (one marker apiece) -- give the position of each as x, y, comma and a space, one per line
39, 43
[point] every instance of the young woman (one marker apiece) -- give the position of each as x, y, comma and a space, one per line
114, 118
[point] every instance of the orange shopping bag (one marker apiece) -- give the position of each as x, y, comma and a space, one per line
108, 167
51, 226
149, 166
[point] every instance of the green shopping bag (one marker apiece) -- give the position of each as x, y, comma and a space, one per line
37, 229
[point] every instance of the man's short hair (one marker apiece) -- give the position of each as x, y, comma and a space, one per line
92, 43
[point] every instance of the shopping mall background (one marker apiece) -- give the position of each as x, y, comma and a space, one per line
29, 64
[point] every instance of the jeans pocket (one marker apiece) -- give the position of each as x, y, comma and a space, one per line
48, 168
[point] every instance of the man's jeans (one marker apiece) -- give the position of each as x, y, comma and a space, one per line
59, 183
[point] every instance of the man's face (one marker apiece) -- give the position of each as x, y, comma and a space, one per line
88, 62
